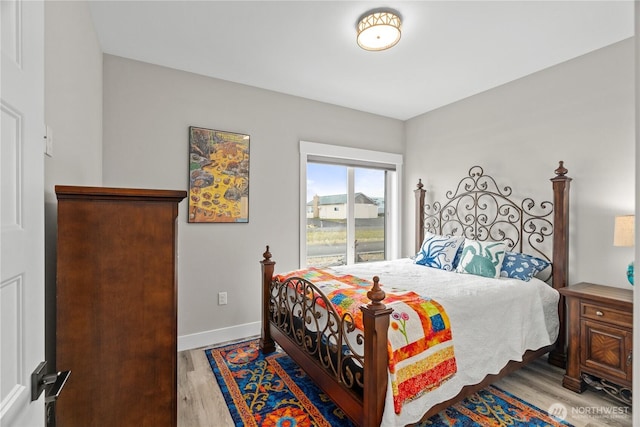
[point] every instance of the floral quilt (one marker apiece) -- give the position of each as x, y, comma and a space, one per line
421, 353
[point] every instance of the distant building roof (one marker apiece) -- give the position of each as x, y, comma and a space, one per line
341, 199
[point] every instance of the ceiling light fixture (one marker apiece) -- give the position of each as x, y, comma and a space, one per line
379, 29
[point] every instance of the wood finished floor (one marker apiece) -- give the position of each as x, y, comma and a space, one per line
200, 402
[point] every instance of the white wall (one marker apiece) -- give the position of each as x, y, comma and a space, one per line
73, 110
147, 112
73, 95
582, 112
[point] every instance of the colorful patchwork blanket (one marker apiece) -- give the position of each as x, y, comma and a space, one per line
420, 347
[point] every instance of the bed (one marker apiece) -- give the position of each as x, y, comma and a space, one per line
347, 354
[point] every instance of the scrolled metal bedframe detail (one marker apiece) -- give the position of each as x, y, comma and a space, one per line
479, 209
307, 316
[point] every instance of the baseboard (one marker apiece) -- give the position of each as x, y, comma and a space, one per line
217, 336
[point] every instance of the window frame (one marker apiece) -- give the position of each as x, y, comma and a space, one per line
360, 158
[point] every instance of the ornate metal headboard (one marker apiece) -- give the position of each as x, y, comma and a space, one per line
480, 209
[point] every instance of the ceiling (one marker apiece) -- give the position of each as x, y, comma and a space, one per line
449, 50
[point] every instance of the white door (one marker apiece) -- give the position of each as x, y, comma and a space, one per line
21, 210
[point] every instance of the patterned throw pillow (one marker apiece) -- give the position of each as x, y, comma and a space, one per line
438, 251
482, 258
522, 266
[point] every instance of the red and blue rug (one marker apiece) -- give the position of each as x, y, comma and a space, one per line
273, 391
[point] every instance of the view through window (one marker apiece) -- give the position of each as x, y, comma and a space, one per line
345, 214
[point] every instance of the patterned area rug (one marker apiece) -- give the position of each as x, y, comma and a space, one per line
274, 391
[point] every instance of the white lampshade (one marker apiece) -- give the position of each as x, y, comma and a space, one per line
624, 230
379, 30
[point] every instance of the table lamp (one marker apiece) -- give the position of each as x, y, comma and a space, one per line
624, 235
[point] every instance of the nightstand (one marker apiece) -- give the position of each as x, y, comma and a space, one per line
600, 327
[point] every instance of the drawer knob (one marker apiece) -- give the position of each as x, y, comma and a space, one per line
599, 313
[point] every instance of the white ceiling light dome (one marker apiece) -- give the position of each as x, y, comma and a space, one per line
379, 29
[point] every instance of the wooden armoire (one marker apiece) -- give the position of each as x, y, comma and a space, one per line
116, 311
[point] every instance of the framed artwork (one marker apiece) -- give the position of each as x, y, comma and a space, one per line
218, 176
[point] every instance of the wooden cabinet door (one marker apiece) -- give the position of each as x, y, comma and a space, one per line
606, 350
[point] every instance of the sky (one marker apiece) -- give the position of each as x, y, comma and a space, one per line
325, 180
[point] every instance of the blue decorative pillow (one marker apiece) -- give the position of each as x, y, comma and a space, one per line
456, 260
522, 266
482, 258
438, 251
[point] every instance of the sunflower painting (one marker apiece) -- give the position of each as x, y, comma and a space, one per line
218, 176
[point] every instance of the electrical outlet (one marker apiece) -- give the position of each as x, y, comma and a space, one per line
222, 298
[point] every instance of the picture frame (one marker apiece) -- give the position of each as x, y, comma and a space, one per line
218, 176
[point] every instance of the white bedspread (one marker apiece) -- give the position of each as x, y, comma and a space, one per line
493, 321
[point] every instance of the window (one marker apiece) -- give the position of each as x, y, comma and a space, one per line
350, 204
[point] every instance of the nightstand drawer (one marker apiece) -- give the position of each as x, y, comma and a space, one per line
606, 314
